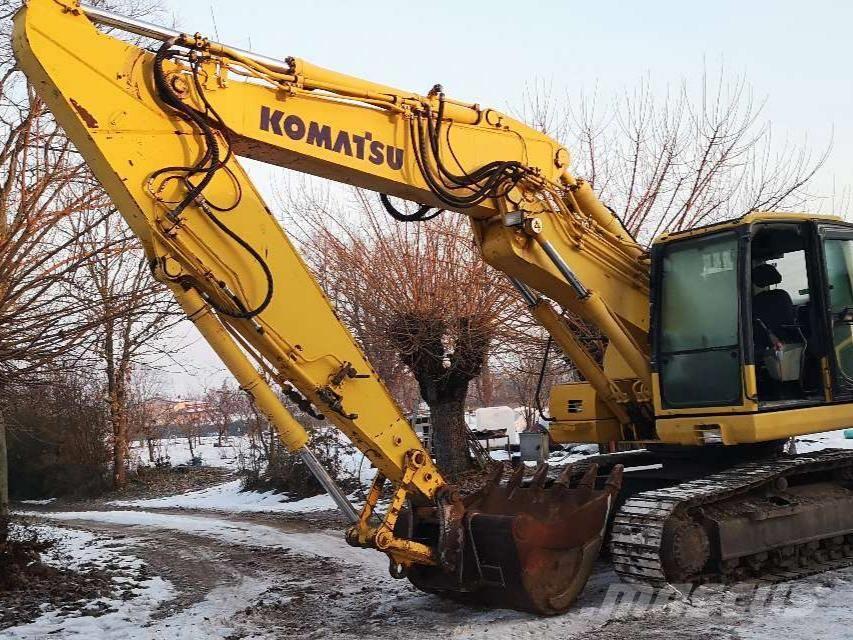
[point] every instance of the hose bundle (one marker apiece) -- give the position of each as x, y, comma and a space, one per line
207, 166
458, 191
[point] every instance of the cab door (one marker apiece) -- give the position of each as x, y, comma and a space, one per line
837, 272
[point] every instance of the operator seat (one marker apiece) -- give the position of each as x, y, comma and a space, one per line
779, 342
773, 307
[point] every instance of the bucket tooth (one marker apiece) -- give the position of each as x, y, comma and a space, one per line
614, 478
587, 481
490, 487
494, 479
540, 476
565, 476
514, 482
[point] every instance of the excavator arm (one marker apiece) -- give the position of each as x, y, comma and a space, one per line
161, 130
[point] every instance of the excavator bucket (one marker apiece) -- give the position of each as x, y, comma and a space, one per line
528, 545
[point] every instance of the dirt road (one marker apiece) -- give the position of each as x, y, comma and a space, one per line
269, 577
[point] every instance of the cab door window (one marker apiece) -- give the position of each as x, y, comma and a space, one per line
838, 255
699, 339
786, 332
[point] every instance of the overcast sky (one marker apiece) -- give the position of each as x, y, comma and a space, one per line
795, 55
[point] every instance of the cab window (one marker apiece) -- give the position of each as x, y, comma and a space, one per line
699, 344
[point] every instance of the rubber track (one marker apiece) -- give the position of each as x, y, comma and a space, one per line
635, 543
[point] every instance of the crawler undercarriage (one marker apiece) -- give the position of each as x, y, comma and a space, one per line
770, 519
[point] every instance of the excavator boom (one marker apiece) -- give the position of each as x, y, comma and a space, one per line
162, 131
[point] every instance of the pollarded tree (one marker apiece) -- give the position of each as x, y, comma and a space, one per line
414, 295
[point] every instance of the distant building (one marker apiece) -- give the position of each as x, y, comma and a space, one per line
190, 412
166, 412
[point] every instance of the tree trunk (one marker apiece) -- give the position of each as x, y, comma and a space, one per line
223, 429
450, 437
118, 418
150, 441
4, 483
443, 378
486, 385
119, 421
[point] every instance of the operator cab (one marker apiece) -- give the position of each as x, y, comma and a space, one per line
754, 314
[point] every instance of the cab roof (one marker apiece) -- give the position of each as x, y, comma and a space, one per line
746, 220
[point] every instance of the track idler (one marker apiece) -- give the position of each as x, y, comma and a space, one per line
529, 546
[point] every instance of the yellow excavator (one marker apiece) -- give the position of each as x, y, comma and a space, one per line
722, 341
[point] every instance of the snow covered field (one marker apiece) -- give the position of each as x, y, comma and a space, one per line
229, 497
234, 451
177, 451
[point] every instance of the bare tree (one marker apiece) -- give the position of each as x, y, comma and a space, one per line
692, 155
42, 184
256, 428
223, 406
132, 317
191, 416
4, 482
146, 410
57, 437
417, 295
695, 154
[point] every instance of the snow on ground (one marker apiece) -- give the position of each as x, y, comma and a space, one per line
207, 619
814, 607
825, 440
324, 544
393, 606
81, 551
234, 453
229, 497
607, 609
229, 454
129, 617
177, 451
73, 549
